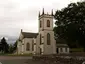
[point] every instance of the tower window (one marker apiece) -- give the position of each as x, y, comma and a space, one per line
48, 23
40, 24
27, 46
48, 39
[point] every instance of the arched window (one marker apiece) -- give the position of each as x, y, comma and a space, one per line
48, 23
40, 24
28, 47
48, 39
40, 39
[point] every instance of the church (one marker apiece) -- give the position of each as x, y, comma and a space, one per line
42, 42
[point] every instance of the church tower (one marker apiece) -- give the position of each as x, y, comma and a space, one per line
47, 44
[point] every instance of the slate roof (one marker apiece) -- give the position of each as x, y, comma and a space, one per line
29, 35
62, 45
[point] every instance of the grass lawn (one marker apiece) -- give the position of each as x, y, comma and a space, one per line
77, 49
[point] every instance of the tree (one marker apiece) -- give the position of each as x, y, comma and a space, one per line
5, 46
70, 24
15, 46
10, 48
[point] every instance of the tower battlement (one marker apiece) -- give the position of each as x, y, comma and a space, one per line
46, 14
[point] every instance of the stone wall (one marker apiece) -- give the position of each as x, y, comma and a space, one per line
57, 59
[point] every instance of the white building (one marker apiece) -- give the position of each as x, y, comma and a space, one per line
42, 42
62, 49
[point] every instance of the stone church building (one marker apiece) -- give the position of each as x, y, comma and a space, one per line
42, 42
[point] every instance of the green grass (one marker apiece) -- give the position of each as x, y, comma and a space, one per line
76, 49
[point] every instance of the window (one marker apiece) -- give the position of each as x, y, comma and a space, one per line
41, 51
66, 49
57, 50
61, 49
40, 24
48, 39
40, 39
28, 47
48, 23
32, 45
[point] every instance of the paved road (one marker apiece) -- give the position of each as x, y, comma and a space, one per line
17, 60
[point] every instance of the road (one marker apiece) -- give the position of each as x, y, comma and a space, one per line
17, 60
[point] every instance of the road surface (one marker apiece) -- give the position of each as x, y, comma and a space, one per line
17, 60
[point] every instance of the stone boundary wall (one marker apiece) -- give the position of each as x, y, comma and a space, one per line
60, 59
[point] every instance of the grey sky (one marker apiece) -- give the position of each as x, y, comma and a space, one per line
23, 14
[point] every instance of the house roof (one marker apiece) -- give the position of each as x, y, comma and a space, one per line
62, 45
29, 35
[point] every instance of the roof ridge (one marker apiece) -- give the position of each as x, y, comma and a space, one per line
29, 32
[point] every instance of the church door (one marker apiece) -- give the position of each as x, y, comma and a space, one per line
40, 51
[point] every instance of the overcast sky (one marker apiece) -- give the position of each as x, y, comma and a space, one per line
23, 14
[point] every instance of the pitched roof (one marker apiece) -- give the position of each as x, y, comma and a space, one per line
29, 35
62, 45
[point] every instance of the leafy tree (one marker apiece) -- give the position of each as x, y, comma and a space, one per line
70, 24
4, 45
15, 46
10, 48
